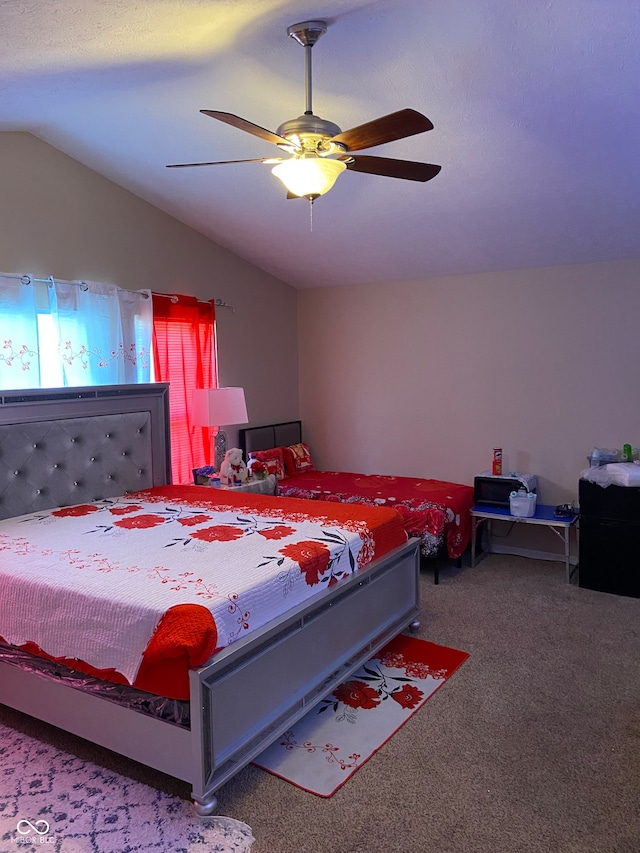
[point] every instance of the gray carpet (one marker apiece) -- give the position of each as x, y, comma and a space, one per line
532, 747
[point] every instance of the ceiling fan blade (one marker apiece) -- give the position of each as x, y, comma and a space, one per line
385, 129
243, 124
224, 162
406, 169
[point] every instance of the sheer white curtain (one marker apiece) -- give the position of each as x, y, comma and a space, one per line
19, 337
61, 333
101, 333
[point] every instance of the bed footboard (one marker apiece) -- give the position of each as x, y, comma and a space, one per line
271, 679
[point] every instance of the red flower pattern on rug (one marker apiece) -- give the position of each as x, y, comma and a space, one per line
356, 694
407, 696
322, 751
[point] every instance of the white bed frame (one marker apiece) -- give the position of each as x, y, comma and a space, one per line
250, 693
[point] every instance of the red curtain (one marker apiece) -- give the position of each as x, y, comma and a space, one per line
184, 356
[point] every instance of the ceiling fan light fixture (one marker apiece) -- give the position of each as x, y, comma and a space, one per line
309, 177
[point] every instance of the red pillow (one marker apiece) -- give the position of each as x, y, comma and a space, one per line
273, 459
297, 459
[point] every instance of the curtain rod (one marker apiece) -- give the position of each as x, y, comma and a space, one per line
219, 303
50, 281
30, 279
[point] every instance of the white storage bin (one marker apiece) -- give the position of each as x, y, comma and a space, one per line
522, 504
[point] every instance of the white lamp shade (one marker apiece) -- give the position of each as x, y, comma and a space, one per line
309, 176
218, 407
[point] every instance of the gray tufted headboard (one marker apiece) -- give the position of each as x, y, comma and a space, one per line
60, 447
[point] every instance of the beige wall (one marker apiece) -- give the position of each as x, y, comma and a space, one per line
59, 218
425, 378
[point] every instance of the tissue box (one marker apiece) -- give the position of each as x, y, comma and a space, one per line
522, 504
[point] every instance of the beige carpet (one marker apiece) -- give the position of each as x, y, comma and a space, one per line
533, 746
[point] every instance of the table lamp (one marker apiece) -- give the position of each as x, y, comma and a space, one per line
216, 407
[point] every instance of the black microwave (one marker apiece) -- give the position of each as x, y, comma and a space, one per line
495, 491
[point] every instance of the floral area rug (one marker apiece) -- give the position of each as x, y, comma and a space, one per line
53, 801
322, 751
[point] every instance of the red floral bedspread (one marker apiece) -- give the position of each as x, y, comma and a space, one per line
436, 511
138, 589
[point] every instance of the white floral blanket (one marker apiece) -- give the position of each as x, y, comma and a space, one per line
92, 582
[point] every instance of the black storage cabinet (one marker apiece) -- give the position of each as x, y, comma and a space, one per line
609, 550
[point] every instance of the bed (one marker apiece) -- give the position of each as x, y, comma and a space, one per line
435, 511
86, 470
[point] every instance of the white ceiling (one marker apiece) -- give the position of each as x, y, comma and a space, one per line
536, 107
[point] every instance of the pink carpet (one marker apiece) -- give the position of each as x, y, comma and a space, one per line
326, 747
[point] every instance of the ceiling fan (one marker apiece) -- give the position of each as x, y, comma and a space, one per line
319, 150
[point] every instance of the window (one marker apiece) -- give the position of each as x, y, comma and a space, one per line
58, 333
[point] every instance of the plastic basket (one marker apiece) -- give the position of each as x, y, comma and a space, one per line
522, 504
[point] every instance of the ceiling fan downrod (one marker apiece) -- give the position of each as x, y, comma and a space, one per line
307, 34
309, 132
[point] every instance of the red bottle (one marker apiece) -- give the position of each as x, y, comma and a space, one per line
496, 467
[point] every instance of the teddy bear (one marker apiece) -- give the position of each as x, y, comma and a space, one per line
233, 471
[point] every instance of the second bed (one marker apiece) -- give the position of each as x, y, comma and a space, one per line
435, 511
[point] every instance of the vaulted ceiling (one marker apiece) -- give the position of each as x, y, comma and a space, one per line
535, 106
